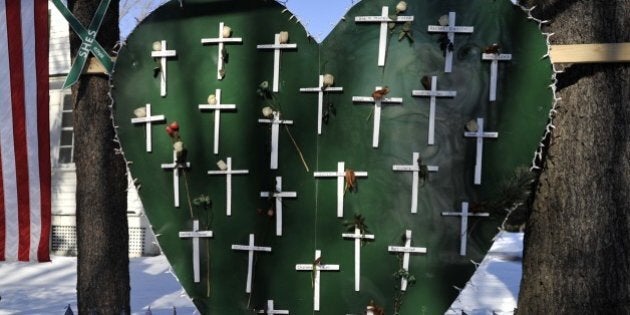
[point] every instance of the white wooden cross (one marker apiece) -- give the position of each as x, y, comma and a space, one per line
316, 267
377, 111
163, 53
218, 107
195, 234
175, 167
479, 134
383, 19
148, 120
450, 30
278, 194
406, 251
433, 93
464, 224
251, 248
276, 46
228, 172
494, 69
275, 136
221, 41
270, 309
415, 182
320, 100
340, 174
358, 237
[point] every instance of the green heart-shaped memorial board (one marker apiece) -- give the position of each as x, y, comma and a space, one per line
309, 220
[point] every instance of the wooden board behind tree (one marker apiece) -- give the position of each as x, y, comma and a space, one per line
576, 243
101, 198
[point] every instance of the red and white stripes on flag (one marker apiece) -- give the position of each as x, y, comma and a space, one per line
25, 217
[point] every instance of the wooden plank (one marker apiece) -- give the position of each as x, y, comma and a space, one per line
590, 53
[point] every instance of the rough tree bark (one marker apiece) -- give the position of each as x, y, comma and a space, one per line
577, 241
101, 197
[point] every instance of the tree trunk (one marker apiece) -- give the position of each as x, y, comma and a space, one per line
101, 197
577, 241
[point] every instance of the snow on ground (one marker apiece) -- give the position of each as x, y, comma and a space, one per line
493, 289
47, 288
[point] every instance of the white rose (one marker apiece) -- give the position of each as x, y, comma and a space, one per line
227, 31
284, 37
222, 166
157, 45
140, 112
401, 7
267, 111
178, 146
329, 79
443, 20
472, 126
212, 99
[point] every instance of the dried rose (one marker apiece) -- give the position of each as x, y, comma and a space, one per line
443, 21
212, 99
222, 166
329, 80
157, 45
284, 37
401, 7
226, 32
140, 112
174, 126
267, 111
178, 146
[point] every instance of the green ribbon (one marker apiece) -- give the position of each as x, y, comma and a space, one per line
88, 38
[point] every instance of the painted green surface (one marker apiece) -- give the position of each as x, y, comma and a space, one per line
384, 198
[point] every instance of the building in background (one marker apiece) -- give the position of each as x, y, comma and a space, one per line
141, 239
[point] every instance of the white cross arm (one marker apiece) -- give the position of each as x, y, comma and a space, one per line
221, 40
254, 248
485, 134
359, 236
139, 120
414, 168
285, 194
432, 93
378, 18
163, 53
307, 267
369, 99
269, 121
191, 234
475, 214
501, 57
317, 89
450, 29
403, 249
227, 172
217, 106
337, 174
276, 46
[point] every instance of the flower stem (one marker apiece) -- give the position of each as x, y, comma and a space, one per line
297, 148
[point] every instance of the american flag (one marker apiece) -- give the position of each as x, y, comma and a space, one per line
25, 215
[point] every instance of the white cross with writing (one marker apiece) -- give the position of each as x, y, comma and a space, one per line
251, 248
148, 120
221, 41
406, 251
275, 136
415, 182
340, 175
479, 134
316, 267
433, 93
464, 224
320, 99
218, 107
278, 194
163, 53
276, 46
450, 30
377, 111
175, 167
358, 237
383, 19
195, 234
228, 172
494, 71
270, 309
